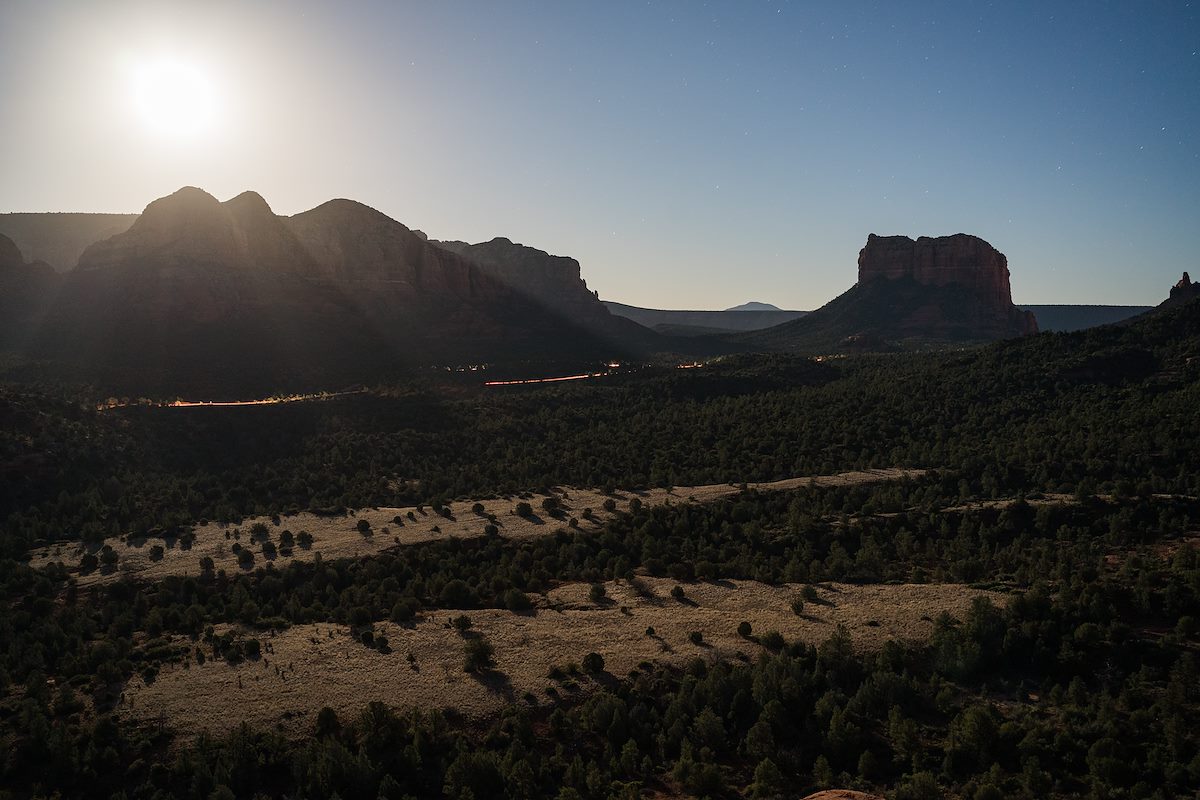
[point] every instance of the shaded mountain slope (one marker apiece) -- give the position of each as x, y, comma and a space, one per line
203, 296
59, 238
556, 284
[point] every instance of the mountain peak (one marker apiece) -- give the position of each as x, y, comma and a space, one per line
191, 229
248, 201
184, 197
343, 211
754, 305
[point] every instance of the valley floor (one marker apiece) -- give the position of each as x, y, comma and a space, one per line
339, 536
307, 667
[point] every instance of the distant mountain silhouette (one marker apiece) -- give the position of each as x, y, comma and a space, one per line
1080, 317
712, 323
203, 296
910, 293
58, 239
25, 291
755, 306
701, 323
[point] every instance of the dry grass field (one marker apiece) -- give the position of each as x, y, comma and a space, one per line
307, 667
339, 537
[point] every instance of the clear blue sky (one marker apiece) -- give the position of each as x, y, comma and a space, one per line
690, 155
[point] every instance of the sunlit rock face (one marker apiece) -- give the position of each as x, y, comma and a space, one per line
960, 260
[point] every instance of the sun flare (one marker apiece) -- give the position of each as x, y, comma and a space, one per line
175, 99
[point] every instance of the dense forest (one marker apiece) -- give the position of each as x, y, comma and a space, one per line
1084, 685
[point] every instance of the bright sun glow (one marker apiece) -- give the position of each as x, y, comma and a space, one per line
175, 99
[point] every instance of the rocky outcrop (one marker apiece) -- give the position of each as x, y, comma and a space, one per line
554, 281
554, 284
910, 294
960, 260
1185, 290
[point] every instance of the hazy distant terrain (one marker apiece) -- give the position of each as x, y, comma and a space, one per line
703, 321
60, 238
1080, 317
695, 323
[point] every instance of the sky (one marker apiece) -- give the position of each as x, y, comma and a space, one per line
689, 154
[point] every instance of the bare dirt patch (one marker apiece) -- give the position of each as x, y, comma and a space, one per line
339, 536
1048, 499
311, 666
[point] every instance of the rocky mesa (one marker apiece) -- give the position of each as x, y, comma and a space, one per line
911, 293
960, 259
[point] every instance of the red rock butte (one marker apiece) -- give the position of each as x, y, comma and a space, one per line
960, 259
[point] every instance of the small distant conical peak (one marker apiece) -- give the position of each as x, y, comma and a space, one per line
755, 305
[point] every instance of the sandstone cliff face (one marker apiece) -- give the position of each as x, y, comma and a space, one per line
910, 294
555, 285
204, 294
351, 242
960, 260
554, 281
1185, 289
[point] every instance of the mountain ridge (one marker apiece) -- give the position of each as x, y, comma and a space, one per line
203, 295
